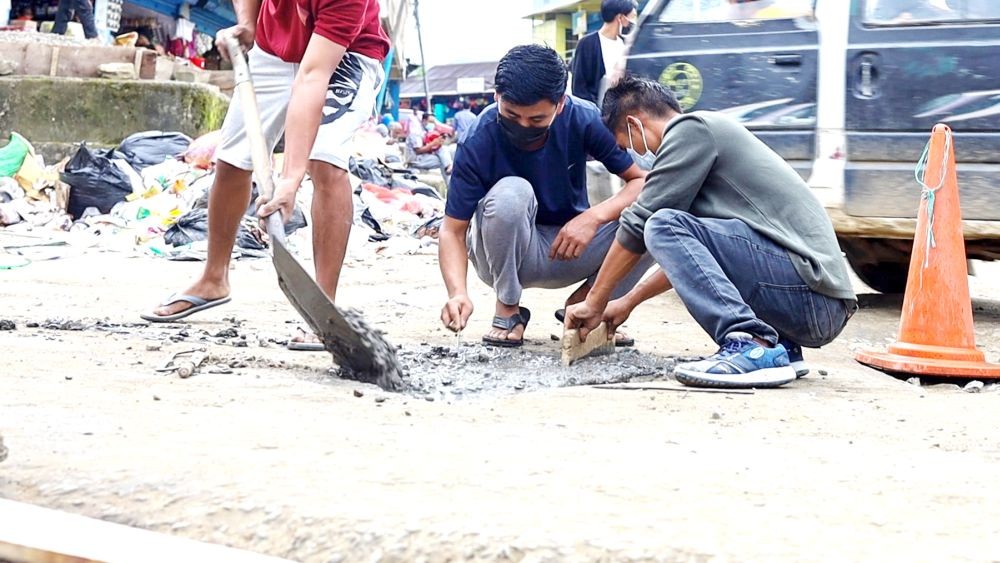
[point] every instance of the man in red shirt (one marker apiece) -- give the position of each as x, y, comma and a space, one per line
317, 68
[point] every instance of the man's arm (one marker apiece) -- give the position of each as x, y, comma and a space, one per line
611, 210
430, 147
454, 263
305, 113
305, 108
619, 310
588, 315
586, 72
577, 234
682, 164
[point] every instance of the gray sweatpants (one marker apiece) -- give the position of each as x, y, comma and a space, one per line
510, 252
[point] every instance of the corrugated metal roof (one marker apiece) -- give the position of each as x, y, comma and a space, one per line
443, 79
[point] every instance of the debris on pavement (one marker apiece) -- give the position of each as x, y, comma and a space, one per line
185, 363
973, 387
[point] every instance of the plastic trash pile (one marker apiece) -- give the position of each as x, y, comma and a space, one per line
149, 196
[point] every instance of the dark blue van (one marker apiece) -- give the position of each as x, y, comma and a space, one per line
847, 91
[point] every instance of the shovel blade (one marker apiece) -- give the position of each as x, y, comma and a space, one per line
360, 351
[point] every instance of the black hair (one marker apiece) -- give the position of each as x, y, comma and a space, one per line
528, 74
634, 94
611, 9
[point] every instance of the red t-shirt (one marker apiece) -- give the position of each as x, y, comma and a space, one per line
284, 27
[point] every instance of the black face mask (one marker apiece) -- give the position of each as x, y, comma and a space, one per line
520, 136
627, 29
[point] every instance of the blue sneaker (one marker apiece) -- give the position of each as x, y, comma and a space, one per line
741, 363
795, 358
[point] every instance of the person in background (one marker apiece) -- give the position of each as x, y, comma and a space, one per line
598, 54
396, 133
84, 10
464, 120
426, 155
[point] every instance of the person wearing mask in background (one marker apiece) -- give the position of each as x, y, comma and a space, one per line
736, 232
463, 121
599, 54
422, 154
317, 68
83, 9
517, 204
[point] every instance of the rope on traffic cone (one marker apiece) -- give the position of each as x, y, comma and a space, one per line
928, 193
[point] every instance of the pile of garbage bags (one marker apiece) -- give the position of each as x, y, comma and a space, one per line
150, 194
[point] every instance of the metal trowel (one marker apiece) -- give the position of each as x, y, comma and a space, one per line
360, 350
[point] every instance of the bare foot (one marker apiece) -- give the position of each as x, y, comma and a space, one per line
204, 289
515, 334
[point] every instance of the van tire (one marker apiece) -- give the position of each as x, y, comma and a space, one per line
883, 264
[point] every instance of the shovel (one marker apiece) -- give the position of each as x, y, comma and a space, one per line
360, 351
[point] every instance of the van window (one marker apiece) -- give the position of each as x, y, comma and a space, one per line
690, 11
917, 12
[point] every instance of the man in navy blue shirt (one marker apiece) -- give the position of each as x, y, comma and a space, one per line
517, 202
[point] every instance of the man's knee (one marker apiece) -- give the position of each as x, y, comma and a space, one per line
664, 222
510, 197
326, 175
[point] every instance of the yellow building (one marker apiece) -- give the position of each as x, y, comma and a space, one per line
561, 23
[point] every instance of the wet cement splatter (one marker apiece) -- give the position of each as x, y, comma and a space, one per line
473, 370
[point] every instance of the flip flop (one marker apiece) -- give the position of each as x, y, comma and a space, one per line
305, 346
623, 342
198, 304
508, 323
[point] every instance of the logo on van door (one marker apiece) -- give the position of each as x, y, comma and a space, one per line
685, 80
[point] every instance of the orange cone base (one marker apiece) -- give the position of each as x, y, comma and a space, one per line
929, 366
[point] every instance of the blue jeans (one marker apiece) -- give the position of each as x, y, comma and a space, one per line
65, 13
732, 279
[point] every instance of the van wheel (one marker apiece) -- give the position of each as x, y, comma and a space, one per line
883, 264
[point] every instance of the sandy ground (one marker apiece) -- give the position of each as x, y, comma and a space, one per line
280, 457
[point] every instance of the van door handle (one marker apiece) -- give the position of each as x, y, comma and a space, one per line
865, 84
786, 60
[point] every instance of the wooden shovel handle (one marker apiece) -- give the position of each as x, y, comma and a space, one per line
260, 153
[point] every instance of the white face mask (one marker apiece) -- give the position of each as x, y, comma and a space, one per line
645, 160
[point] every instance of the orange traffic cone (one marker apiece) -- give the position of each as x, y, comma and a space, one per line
936, 335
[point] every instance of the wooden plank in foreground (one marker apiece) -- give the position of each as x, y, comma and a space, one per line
40, 535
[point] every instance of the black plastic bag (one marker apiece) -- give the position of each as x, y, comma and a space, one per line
193, 226
371, 172
298, 220
149, 148
95, 181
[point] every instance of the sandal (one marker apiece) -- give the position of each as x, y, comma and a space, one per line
621, 340
305, 342
197, 304
509, 323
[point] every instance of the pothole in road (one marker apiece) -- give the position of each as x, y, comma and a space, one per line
474, 370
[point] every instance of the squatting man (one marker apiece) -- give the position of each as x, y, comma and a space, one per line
734, 230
